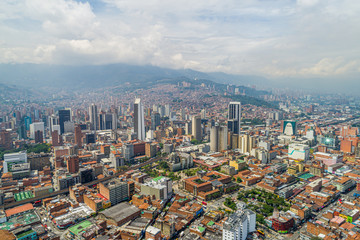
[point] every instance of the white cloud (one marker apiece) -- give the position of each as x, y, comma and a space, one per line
272, 38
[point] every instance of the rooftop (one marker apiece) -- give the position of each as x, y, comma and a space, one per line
80, 227
22, 208
120, 211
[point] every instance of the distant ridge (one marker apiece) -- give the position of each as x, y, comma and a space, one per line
98, 76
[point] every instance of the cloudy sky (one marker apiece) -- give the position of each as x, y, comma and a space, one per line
285, 38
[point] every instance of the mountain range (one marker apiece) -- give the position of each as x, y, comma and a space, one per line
67, 77
98, 76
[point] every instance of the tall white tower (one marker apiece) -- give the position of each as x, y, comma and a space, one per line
93, 116
139, 122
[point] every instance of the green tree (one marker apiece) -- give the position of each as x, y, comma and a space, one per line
260, 218
195, 141
163, 165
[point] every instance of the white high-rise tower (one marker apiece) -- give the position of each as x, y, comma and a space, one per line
139, 122
93, 117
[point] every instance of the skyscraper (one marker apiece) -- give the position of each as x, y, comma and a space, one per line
246, 143
39, 137
53, 120
196, 127
218, 138
78, 136
106, 121
234, 118
72, 163
139, 122
36, 126
93, 117
5, 140
64, 116
155, 120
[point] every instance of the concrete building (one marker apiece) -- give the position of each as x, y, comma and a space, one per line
246, 143
239, 225
120, 214
78, 136
34, 127
115, 190
218, 138
160, 187
13, 159
288, 128
139, 122
328, 158
344, 183
72, 163
93, 117
180, 161
65, 181
5, 140
299, 152
150, 149
128, 151
196, 128
152, 233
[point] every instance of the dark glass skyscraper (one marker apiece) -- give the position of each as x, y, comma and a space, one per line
64, 116
234, 118
155, 120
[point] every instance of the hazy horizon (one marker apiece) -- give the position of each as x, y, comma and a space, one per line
305, 40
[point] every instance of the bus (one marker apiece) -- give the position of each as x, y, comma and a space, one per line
261, 232
37, 203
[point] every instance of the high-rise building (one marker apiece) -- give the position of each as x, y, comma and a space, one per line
78, 136
246, 143
93, 117
72, 163
234, 118
55, 138
21, 132
13, 159
218, 138
39, 137
150, 149
167, 110
106, 121
239, 225
188, 128
115, 190
53, 120
5, 140
139, 122
64, 116
69, 127
90, 138
114, 117
27, 121
203, 114
160, 187
36, 126
155, 120
196, 128
289, 128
